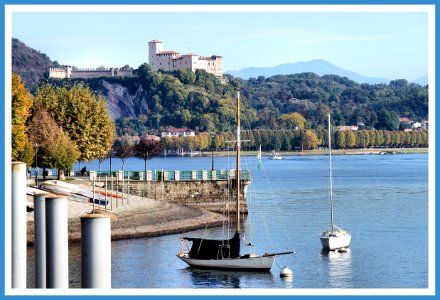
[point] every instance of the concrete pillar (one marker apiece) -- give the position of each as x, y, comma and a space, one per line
57, 265
96, 251
18, 225
92, 175
40, 240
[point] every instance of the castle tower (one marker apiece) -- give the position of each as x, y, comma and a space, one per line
154, 47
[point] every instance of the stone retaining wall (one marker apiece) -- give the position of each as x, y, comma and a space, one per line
214, 196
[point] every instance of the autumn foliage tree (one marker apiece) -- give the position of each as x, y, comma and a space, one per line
293, 120
147, 148
22, 149
55, 149
82, 115
309, 140
123, 149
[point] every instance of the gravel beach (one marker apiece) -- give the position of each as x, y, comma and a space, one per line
135, 217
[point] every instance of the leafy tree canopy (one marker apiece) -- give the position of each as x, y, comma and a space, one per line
82, 115
22, 149
55, 149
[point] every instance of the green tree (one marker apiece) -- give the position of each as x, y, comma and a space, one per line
22, 149
340, 140
82, 115
373, 137
276, 140
388, 120
350, 139
379, 138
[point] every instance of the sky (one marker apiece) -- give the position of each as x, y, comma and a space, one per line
386, 44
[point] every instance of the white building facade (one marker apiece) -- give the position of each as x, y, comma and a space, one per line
171, 60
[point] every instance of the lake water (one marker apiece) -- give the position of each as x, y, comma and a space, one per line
381, 199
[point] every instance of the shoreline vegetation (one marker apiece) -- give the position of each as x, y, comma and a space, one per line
324, 151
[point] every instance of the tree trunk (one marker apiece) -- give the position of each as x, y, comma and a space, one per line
44, 174
61, 175
145, 169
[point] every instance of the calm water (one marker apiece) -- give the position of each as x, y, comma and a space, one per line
381, 199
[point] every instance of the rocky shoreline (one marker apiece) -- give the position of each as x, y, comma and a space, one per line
136, 217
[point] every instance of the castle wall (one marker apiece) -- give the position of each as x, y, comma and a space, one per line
69, 72
58, 73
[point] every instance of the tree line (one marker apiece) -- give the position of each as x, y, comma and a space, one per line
301, 139
198, 100
377, 106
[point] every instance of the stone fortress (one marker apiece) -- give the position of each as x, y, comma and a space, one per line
171, 60
158, 60
72, 72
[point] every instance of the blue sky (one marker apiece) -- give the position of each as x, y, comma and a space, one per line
378, 44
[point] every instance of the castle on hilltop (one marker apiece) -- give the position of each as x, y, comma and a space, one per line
158, 60
72, 72
171, 60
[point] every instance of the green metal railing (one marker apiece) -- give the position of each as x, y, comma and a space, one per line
176, 175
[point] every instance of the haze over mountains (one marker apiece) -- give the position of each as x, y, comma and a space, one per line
318, 66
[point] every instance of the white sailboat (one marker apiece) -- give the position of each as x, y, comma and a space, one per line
259, 153
225, 254
333, 238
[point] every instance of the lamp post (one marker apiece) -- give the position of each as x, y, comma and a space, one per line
36, 164
212, 152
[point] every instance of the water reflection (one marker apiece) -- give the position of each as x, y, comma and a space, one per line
288, 282
201, 278
339, 268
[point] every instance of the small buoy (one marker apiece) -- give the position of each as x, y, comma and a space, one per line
286, 272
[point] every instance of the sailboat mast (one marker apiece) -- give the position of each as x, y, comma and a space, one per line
237, 162
330, 173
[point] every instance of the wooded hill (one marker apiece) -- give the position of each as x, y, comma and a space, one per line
152, 101
32, 65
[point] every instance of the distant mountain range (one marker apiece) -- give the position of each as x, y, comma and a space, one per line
318, 66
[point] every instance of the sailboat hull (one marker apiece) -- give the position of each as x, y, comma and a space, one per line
334, 240
252, 263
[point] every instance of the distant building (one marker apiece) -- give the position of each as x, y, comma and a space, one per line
346, 128
72, 72
171, 60
176, 132
405, 120
416, 125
